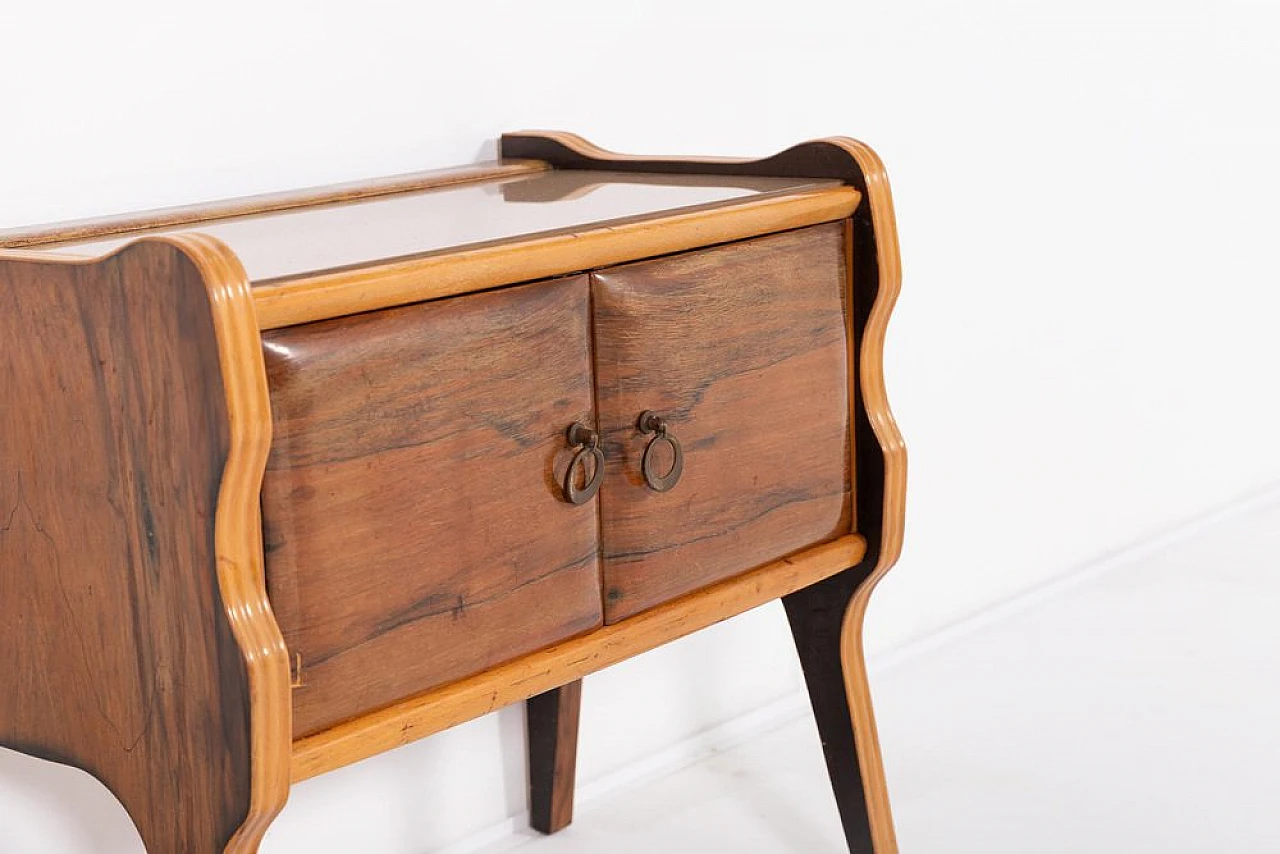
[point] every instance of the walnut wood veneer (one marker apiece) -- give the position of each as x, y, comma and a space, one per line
745, 350
436, 434
289, 481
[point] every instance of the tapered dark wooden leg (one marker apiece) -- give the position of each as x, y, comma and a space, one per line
552, 720
816, 615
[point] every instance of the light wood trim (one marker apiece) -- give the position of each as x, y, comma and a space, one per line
48, 257
558, 665
77, 230
876, 404
315, 297
238, 533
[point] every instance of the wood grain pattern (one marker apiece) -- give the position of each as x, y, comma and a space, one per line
311, 297
86, 229
744, 350
552, 721
522, 678
127, 584
881, 464
415, 528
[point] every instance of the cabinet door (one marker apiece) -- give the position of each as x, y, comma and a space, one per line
744, 351
416, 531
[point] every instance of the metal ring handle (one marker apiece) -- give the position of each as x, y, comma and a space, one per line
587, 441
653, 423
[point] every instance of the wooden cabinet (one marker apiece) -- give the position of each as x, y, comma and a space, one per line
357, 464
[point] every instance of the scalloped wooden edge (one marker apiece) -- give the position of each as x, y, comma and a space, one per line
876, 404
238, 533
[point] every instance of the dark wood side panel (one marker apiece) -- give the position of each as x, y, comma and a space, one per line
552, 722
117, 655
415, 527
744, 350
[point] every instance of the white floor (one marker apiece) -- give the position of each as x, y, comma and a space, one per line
1135, 710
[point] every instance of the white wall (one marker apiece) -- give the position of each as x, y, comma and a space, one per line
1084, 353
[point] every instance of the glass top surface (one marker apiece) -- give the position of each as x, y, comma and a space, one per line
333, 236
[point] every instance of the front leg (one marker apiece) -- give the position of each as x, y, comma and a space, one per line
552, 720
826, 621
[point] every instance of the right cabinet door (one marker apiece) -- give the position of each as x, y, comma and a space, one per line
742, 354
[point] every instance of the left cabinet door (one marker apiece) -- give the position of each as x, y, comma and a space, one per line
416, 530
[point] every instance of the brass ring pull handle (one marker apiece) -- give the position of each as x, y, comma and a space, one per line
587, 441
651, 423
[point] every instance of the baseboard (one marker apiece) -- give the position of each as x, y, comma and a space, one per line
1080, 574
514, 832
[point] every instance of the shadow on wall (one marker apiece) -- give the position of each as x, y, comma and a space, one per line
62, 810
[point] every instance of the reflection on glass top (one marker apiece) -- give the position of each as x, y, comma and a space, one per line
327, 237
